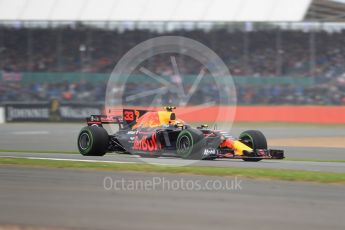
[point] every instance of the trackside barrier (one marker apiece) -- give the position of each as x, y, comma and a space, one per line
297, 114
2, 115
50, 111
292, 114
56, 111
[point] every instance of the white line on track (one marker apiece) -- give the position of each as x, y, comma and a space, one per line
80, 160
30, 132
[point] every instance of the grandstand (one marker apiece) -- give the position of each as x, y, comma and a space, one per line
72, 46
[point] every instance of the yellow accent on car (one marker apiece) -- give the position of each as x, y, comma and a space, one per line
239, 147
164, 117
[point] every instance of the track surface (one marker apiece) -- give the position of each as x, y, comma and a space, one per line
62, 137
76, 199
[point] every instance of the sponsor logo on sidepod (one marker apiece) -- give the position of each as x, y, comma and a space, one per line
146, 143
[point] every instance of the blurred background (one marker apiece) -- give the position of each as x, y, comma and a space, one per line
279, 52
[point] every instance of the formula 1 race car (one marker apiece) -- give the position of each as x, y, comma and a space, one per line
160, 133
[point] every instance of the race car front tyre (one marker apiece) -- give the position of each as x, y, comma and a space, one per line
190, 144
93, 141
255, 140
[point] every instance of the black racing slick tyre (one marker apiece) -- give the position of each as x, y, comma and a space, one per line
255, 140
190, 144
93, 141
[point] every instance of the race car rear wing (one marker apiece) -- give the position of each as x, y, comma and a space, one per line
99, 120
126, 121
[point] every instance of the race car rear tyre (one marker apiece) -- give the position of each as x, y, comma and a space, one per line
255, 140
93, 141
190, 144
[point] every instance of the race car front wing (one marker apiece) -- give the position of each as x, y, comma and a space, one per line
256, 154
264, 154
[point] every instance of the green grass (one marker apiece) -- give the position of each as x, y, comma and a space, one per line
76, 152
254, 173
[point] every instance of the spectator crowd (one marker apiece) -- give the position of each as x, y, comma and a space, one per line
259, 53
